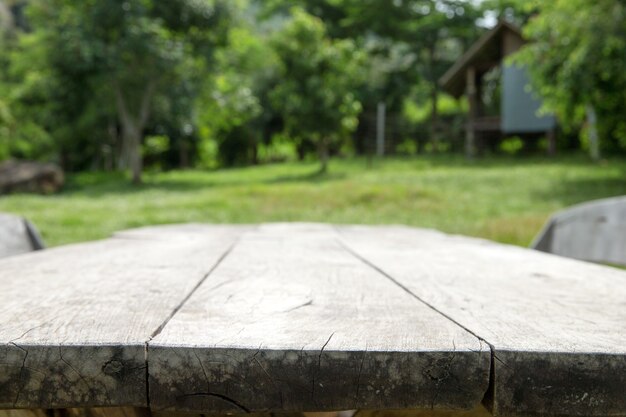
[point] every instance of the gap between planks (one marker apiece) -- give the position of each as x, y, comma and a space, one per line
180, 305
351, 252
489, 393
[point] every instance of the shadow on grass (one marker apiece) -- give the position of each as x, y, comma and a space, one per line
312, 178
459, 161
500, 161
103, 184
569, 193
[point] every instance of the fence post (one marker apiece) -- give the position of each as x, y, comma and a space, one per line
380, 129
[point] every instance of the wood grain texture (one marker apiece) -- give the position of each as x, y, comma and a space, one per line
594, 231
292, 321
309, 317
74, 321
557, 327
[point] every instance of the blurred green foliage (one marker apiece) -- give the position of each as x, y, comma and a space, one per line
576, 59
105, 84
318, 78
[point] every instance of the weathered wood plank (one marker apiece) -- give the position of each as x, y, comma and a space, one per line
186, 231
74, 321
17, 236
292, 321
594, 231
557, 326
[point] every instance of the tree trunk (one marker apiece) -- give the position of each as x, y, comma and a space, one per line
131, 148
323, 155
124, 158
132, 128
132, 136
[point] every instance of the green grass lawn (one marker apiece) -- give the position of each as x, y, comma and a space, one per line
506, 200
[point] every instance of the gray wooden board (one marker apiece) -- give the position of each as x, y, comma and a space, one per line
557, 327
594, 231
74, 321
15, 237
187, 231
290, 320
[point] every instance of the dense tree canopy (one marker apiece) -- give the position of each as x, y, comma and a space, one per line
318, 79
577, 63
113, 84
108, 64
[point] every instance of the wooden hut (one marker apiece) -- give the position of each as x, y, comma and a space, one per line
518, 107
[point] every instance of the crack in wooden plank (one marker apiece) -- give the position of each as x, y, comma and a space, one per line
21, 387
159, 329
375, 267
193, 290
82, 378
221, 397
358, 379
307, 304
319, 365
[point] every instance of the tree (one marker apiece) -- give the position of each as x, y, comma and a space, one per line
513, 11
433, 33
319, 76
233, 108
129, 53
23, 89
576, 63
410, 43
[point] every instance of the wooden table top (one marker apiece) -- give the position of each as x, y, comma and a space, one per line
310, 317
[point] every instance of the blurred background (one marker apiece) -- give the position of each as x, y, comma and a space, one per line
472, 117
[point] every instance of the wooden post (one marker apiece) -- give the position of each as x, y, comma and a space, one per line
470, 134
380, 129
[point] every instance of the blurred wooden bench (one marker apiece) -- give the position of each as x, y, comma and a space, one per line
17, 235
291, 318
593, 231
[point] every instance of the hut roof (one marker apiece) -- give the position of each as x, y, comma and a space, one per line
488, 50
